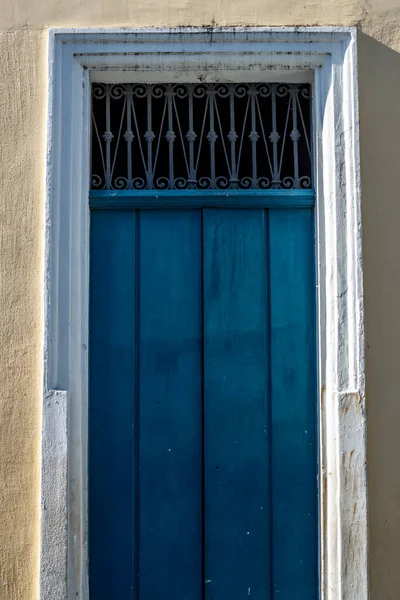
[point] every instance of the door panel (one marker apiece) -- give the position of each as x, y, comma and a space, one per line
111, 406
236, 448
293, 406
170, 476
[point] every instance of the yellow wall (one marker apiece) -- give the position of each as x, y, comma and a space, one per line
23, 37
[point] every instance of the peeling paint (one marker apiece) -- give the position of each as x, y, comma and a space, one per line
352, 401
353, 482
53, 573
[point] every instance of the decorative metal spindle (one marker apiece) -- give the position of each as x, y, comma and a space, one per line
212, 136
253, 136
264, 138
97, 179
306, 180
232, 137
222, 181
274, 139
149, 137
295, 134
242, 179
202, 130
108, 136
170, 135
138, 182
128, 135
191, 137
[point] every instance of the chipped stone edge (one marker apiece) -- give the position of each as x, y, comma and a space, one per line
54, 497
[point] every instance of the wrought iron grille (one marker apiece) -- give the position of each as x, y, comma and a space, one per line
201, 136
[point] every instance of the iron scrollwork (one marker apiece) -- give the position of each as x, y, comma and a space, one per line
201, 136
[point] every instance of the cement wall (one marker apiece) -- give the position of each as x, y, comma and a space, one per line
23, 47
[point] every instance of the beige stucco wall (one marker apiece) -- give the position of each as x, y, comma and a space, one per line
23, 38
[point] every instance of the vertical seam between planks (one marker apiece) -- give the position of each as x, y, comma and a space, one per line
269, 401
136, 413
317, 415
203, 481
89, 396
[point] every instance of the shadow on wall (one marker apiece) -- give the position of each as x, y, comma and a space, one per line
379, 88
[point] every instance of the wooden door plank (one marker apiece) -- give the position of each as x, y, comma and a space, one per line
236, 405
293, 411
111, 405
170, 406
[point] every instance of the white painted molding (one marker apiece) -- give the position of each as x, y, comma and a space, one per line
328, 58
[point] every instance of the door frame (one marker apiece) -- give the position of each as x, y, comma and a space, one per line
327, 57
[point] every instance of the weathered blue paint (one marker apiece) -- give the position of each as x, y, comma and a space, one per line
112, 388
170, 399
203, 461
236, 427
192, 199
293, 405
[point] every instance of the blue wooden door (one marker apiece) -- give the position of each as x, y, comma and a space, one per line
203, 445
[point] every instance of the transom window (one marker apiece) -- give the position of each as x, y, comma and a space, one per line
201, 136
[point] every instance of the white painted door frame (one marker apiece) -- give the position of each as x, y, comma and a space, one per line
328, 58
